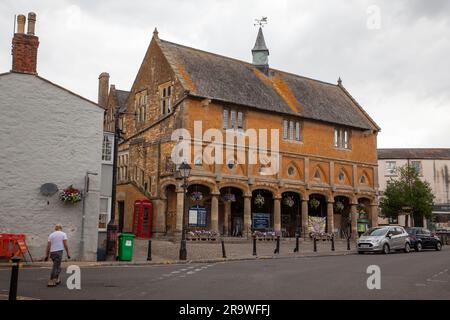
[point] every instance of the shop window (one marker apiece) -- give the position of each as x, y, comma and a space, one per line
105, 213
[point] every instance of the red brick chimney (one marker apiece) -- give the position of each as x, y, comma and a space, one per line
25, 46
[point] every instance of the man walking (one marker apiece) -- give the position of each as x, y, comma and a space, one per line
57, 242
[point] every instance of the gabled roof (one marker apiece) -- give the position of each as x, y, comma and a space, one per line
53, 84
122, 97
414, 153
225, 79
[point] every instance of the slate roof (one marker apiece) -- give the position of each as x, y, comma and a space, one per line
414, 153
225, 79
122, 97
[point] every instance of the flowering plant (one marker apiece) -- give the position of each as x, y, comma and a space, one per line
259, 200
339, 206
314, 203
289, 201
70, 194
229, 197
361, 208
196, 196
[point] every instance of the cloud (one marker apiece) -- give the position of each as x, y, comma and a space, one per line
399, 72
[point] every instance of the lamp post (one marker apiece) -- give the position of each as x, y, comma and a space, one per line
183, 172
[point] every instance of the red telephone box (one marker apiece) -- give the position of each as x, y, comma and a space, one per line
143, 218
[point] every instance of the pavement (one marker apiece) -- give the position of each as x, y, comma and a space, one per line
167, 252
423, 275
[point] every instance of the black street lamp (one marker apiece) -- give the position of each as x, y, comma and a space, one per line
183, 172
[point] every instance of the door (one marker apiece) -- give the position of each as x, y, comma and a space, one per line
426, 234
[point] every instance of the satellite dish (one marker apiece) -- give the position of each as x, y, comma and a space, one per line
49, 189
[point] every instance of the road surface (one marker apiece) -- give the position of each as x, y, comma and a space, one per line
423, 275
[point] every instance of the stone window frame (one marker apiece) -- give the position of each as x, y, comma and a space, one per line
292, 130
233, 119
140, 105
165, 97
342, 138
291, 174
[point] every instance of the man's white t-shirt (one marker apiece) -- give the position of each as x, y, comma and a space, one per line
56, 240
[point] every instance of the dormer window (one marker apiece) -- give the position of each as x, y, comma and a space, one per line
165, 96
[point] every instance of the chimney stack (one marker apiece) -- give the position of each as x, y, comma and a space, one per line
103, 86
31, 23
25, 46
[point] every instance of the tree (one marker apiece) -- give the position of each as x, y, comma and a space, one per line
408, 193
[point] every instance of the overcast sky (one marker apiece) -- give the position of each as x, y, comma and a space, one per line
397, 66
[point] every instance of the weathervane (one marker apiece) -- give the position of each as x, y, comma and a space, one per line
261, 22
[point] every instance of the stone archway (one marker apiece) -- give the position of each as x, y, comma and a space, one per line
317, 213
262, 210
291, 220
199, 198
342, 216
170, 209
231, 211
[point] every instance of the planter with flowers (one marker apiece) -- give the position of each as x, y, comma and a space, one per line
259, 201
229, 197
70, 195
339, 206
289, 201
196, 196
314, 203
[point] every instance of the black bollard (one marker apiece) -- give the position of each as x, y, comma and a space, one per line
296, 243
14, 279
254, 245
224, 255
348, 243
315, 244
277, 248
332, 243
149, 252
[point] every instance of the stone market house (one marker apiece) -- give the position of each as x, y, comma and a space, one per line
433, 165
48, 135
328, 158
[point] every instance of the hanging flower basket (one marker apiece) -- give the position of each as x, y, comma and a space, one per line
289, 201
361, 208
196, 196
339, 206
259, 201
314, 203
229, 197
70, 195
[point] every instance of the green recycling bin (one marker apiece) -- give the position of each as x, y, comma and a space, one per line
126, 244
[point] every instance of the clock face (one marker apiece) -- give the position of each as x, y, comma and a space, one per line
260, 58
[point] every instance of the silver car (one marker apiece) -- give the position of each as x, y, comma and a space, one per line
385, 240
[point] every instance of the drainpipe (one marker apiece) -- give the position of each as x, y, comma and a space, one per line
83, 216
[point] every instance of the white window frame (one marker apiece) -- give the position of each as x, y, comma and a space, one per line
389, 170
108, 213
110, 135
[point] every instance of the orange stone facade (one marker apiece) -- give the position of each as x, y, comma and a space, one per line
310, 168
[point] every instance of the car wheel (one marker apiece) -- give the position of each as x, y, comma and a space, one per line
407, 248
386, 249
418, 247
438, 246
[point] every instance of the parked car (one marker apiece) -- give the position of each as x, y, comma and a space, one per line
384, 239
422, 238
